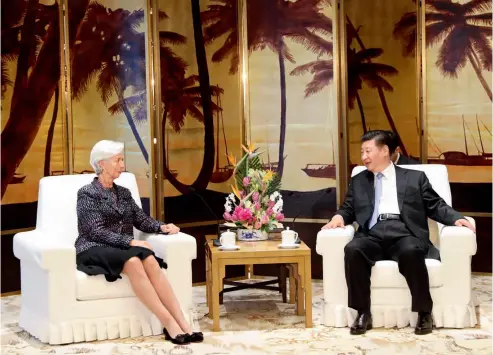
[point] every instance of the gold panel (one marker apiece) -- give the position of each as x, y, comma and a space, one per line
340, 71
246, 131
154, 109
65, 100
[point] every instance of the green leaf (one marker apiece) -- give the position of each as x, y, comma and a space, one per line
275, 185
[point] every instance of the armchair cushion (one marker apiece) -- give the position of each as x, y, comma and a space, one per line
97, 288
386, 274
171, 248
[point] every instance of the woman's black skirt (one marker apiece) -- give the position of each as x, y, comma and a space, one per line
110, 261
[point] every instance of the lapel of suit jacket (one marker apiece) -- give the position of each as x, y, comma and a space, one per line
401, 181
105, 196
370, 190
121, 197
369, 181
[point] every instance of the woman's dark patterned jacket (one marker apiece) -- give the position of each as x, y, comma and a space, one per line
106, 217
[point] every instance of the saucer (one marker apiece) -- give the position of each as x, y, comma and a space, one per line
229, 247
288, 246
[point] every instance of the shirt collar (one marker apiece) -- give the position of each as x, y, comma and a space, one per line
388, 171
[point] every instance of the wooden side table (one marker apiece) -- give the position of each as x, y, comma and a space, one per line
261, 252
263, 285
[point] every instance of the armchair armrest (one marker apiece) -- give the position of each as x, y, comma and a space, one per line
330, 244
178, 251
44, 250
457, 245
179, 246
334, 240
47, 274
458, 240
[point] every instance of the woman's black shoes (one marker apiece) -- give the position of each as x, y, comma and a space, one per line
180, 339
196, 337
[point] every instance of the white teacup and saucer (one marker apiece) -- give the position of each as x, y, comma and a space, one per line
228, 241
289, 239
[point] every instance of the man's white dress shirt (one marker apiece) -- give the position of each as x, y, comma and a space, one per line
388, 198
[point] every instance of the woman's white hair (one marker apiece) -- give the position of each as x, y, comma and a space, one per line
102, 150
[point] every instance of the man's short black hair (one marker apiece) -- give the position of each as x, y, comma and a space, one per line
394, 142
381, 138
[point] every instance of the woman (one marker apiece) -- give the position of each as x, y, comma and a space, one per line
107, 214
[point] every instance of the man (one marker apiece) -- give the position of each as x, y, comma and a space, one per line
397, 157
391, 205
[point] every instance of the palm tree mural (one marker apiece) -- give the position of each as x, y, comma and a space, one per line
353, 33
111, 50
36, 80
205, 93
51, 134
463, 31
12, 19
180, 97
360, 70
277, 20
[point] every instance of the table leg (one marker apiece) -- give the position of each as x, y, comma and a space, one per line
308, 291
282, 282
208, 284
300, 275
216, 284
292, 284
222, 275
250, 271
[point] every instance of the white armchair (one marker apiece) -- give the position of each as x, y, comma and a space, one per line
450, 278
60, 304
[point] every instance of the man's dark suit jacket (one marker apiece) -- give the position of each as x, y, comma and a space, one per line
403, 160
417, 201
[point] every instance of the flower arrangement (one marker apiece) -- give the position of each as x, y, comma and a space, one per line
255, 202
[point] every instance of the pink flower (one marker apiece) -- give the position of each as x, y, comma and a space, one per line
227, 216
271, 204
255, 196
265, 219
258, 225
245, 215
246, 181
279, 217
269, 211
258, 206
242, 194
242, 214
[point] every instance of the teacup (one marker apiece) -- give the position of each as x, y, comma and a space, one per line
289, 237
228, 239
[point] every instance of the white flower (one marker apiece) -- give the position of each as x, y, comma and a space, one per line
278, 206
248, 204
231, 198
274, 196
227, 207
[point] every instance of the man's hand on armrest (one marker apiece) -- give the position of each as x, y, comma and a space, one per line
336, 222
465, 223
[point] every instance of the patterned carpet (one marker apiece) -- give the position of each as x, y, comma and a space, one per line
257, 322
